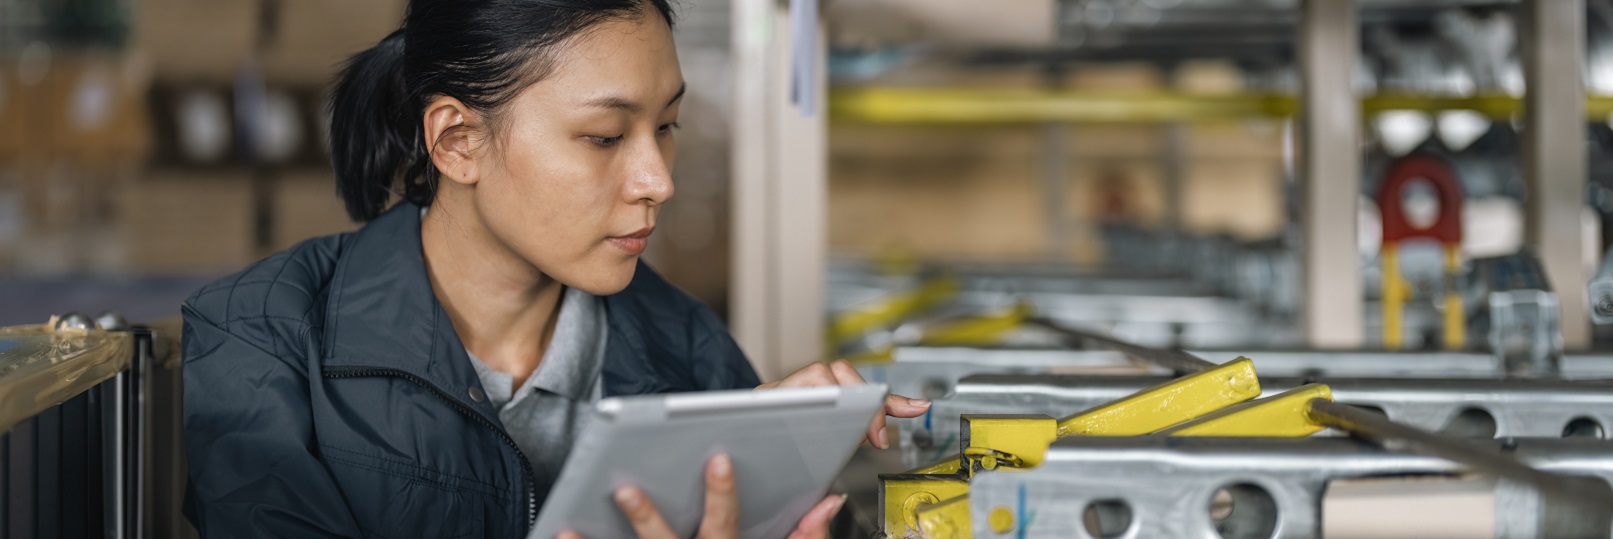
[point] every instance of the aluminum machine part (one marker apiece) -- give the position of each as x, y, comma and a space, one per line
1175, 360
932, 376
1159, 321
1579, 500
1166, 486
1156, 312
1521, 323
931, 372
1600, 290
1165, 321
1212, 402
1364, 363
1524, 332
1431, 364
1475, 408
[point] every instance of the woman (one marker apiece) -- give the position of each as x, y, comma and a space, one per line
426, 375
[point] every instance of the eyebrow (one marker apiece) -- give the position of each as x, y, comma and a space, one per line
622, 103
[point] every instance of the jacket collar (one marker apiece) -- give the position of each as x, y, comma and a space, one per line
382, 313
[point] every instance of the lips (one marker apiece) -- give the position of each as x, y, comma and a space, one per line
634, 243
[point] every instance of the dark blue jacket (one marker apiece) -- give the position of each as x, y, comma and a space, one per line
326, 393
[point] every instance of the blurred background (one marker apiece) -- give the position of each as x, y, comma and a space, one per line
1164, 170
935, 189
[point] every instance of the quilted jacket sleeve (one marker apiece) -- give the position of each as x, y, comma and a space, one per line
249, 437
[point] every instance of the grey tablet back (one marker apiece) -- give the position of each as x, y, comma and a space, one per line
787, 446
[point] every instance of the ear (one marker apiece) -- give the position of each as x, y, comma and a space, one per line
449, 130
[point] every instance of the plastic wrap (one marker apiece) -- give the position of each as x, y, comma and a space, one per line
40, 368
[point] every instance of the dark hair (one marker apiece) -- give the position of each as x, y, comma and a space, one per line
480, 52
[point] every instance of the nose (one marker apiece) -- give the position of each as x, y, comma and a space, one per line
650, 181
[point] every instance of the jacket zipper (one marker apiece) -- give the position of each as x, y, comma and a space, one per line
526, 467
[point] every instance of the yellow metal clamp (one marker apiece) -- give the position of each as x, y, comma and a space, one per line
951, 518
901, 496
891, 309
945, 467
1286, 414
1212, 403
979, 330
983, 330
1019, 441
1026, 437
1023, 440
1167, 404
852, 324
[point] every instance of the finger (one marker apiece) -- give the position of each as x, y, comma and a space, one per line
722, 504
895, 405
845, 374
899, 406
815, 524
876, 433
642, 514
816, 374
568, 534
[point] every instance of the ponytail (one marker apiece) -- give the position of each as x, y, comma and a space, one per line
374, 134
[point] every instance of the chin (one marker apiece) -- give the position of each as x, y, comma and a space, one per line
606, 279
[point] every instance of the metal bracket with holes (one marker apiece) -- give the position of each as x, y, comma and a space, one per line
1483, 408
1157, 487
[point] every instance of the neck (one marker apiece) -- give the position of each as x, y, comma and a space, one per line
503, 308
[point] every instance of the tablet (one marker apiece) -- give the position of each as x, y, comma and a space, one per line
787, 446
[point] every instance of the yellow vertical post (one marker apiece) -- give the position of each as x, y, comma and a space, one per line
1455, 314
1394, 297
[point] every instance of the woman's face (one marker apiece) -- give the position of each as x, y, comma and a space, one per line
582, 159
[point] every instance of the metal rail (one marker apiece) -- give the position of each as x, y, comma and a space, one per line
1590, 497
1175, 360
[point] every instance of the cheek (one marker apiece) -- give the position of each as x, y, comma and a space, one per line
560, 190
551, 204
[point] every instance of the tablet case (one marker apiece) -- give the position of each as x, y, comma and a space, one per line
787, 446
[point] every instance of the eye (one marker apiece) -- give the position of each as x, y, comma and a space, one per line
667, 128
606, 141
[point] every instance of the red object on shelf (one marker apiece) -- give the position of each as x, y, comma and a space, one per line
1438, 173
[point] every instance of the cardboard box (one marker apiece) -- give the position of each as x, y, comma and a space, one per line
83, 107
207, 40
306, 206
187, 223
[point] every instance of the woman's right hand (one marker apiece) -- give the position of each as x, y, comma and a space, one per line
721, 520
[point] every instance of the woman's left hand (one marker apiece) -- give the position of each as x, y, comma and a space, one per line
841, 373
